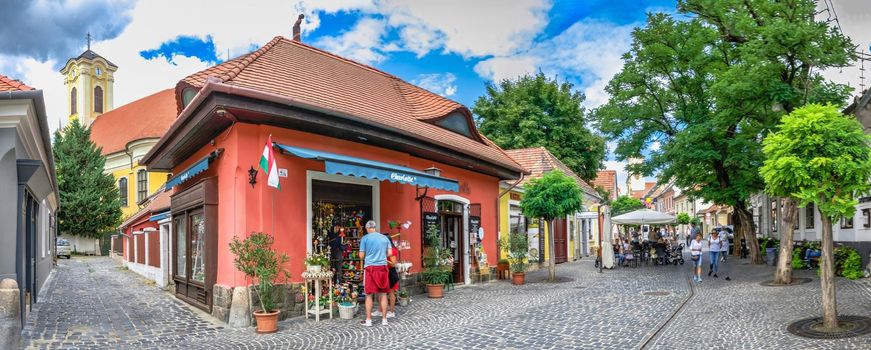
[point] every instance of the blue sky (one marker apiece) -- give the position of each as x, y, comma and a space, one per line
451, 47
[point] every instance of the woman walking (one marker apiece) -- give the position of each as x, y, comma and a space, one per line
696, 254
715, 244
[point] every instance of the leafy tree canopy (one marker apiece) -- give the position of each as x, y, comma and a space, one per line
535, 111
551, 196
708, 86
818, 155
89, 201
625, 204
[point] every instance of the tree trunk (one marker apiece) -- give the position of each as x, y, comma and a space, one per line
746, 226
551, 265
827, 277
783, 274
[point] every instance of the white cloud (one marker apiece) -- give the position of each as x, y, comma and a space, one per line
442, 84
588, 54
655, 145
361, 43
853, 16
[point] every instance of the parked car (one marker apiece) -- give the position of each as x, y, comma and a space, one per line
63, 248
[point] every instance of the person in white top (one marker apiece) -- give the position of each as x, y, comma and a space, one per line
715, 244
724, 248
696, 253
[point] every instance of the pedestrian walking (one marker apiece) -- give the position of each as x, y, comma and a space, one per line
724, 250
715, 244
693, 232
696, 255
374, 251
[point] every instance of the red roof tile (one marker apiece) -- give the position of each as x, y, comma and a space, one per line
539, 160
307, 74
158, 202
9, 84
148, 117
607, 179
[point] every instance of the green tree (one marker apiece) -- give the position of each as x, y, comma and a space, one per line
549, 197
820, 156
605, 194
89, 199
625, 204
535, 111
708, 87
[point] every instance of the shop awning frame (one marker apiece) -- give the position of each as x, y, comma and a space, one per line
370, 169
193, 170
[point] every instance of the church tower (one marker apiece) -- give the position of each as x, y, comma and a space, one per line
90, 81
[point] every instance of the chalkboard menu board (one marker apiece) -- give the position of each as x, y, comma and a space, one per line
474, 225
430, 220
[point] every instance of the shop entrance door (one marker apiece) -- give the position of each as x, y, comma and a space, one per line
560, 244
452, 227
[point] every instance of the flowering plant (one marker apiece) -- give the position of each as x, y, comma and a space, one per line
315, 259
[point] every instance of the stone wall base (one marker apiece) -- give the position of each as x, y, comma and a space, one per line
10, 315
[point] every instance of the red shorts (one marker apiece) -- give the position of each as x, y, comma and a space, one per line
376, 280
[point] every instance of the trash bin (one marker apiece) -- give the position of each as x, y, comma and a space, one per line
771, 256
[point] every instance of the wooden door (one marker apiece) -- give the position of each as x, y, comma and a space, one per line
560, 241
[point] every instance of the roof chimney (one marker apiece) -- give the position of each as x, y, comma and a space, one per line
296, 33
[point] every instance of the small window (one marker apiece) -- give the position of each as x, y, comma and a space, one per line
99, 71
847, 222
141, 185
187, 96
809, 216
122, 191
73, 99
866, 217
98, 99
457, 123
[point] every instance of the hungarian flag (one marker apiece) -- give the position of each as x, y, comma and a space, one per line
267, 163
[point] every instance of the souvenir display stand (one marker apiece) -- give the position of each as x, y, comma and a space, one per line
314, 286
337, 230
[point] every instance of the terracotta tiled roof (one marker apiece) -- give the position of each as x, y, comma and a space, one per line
312, 76
539, 161
9, 84
156, 203
607, 179
148, 117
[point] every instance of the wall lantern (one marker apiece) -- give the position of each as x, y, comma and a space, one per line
433, 171
252, 176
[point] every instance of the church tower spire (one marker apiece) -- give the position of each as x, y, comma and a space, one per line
90, 82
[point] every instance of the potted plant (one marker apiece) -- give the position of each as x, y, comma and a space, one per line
516, 247
346, 300
403, 297
314, 262
258, 261
438, 267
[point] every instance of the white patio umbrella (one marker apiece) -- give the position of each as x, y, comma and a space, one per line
643, 217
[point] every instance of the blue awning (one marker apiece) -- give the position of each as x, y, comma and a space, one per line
370, 169
160, 216
192, 171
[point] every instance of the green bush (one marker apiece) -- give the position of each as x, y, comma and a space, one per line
436, 266
848, 263
797, 258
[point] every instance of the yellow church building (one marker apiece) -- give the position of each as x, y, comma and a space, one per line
125, 134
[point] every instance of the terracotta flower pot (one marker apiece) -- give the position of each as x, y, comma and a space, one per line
403, 301
518, 278
267, 322
435, 290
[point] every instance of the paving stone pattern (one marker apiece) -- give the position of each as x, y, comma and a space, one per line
112, 308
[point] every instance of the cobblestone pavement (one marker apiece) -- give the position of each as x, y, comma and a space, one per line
93, 304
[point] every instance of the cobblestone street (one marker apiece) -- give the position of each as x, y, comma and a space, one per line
91, 303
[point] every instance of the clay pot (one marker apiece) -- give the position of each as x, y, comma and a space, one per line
435, 291
403, 301
518, 278
267, 322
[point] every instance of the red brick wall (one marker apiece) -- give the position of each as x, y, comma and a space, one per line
154, 249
